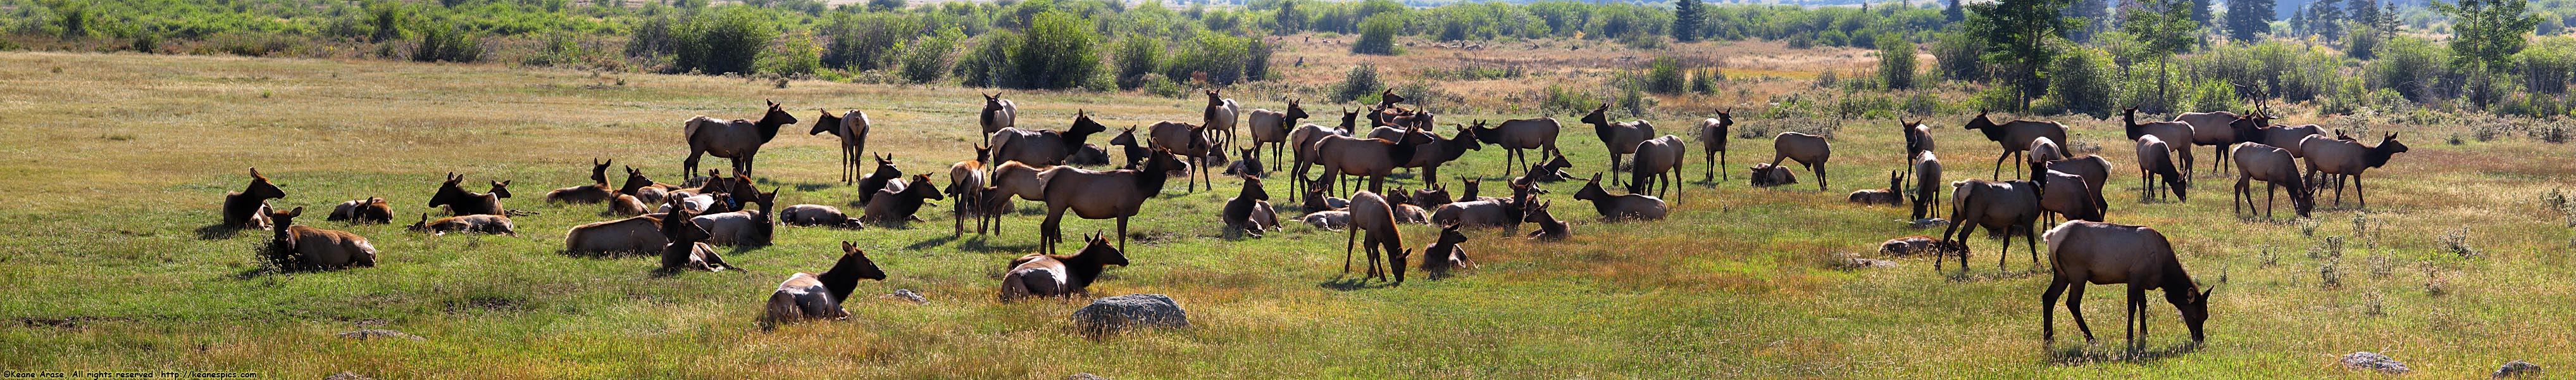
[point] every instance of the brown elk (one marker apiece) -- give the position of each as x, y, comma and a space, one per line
852, 128
1372, 158
817, 215
745, 228
1808, 150
1712, 143
2277, 170
1219, 118
736, 140
484, 223
886, 172
2103, 254
1089, 156
1185, 140
1893, 195
1623, 206
1488, 212
1305, 138
998, 113
2004, 208
641, 233
1116, 194
461, 202
363, 211
1658, 166
1045, 275
1516, 136
900, 200
1927, 185
308, 247
2043, 151
2096, 173
2288, 137
966, 181
2349, 159
2015, 136
1372, 213
1239, 212
1043, 147
1249, 166
807, 296
1429, 156
1272, 127
2219, 130
249, 208
1008, 180
2063, 194
1918, 139
687, 248
1445, 255
1549, 228
1430, 197
595, 192
2176, 135
2155, 160
1768, 175
1621, 138
644, 189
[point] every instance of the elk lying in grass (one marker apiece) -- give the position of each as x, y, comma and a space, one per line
806, 215
1516, 136
2064, 194
489, 224
700, 203
1768, 175
1045, 275
2349, 159
1892, 196
1927, 185
998, 113
1712, 144
1430, 197
886, 172
1329, 220
308, 247
363, 211
898, 202
2219, 130
1116, 194
1242, 212
1305, 138
1272, 127
2155, 161
1549, 228
1188, 141
1372, 158
1810, 151
1621, 138
461, 202
2003, 208
644, 190
1044, 147
688, 249
2096, 173
2043, 151
1249, 166
2177, 136
1445, 255
737, 140
1551, 171
2104, 254
1220, 116
1658, 166
1371, 213
1920, 245
1486, 212
1089, 156
852, 128
595, 192
1623, 206
2015, 136
967, 181
642, 233
248, 208
807, 296
2276, 169
745, 228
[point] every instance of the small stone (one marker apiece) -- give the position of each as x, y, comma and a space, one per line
377, 334
2375, 362
2517, 368
906, 295
1853, 261
1110, 315
1085, 376
346, 375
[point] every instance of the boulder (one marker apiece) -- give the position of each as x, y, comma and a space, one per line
2517, 368
1110, 315
1853, 261
2375, 362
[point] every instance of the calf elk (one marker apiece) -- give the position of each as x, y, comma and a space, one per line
488, 224
363, 211
595, 192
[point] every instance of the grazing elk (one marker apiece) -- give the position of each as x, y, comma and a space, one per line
489, 224
1116, 194
886, 172
2103, 254
1372, 213
248, 208
1621, 138
2003, 208
807, 296
308, 247
805, 215
1623, 206
736, 140
1043, 147
1549, 228
363, 211
641, 233
1240, 212
1516, 136
2015, 136
900, 200
2155, 160
1185, 140
1220, 117
1893, 195
1272, 127
1046, 275
1712, 143
2276, 169
967, 181
461, 202
2043, 151
1658, 166
1808, 150
1927, 185
2349, 159
2176, 135
687, 248
2096, 173
1445, 255
744, 228
852, 128
595, 192
998, 113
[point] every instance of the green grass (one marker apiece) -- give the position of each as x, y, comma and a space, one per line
111, 267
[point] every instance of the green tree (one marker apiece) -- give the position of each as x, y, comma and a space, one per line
1059, 52
2248, 19
2485, 34
1377, 35
2161, 33
2017, 32
1895, 61
1137, 55
725, 41
1687, 17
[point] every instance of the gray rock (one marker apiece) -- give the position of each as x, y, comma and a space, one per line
2375, 362
2517, 368
906, 295
1111, 315
346, 375
1085, 376
377, 334
1852, 261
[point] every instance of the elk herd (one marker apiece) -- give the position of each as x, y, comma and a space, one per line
683, 224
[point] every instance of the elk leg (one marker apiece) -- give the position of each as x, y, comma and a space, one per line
1999, 164
1122, 234
2270, 189
1721, 161
2356, 193
1820, 175
2004, 252
2075, 308
2137, 298
1050, 229
1353, 236
690, 165
2048, 310
2030, 239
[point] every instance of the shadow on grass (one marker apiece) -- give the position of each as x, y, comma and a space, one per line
2093, 354
218, 231
932, 242
984, 244
1995, 276
813, 187
1347, 282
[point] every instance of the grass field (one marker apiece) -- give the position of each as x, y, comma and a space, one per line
121, 161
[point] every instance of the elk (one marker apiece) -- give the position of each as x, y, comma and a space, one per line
1090, 156
2102, 254
899, 200
737, 140
642, 233
2043, 151
595, 192
1893, 195
1371, 212
2289, 137
489, 224
1249, 166
2096, 173
2349, 159
461, 202
1185, 140
1430, 197
1334, 220
886, 172
1008, 180
2015, 136
1316, 200
1117, 194
1658, 166
1220, 117
1768, 175
1272, 127
2276, 169
1373, 158
1927, 185
1623, 206
1445, 255
644, 189
2218, 130
1429, 156
1487, 212
966, 181
309, 247
1516, 136
1239, 211
1306, 137
2004, 209
1551, 171
1712, 144
687, 248
1549, 229
2064, 194
852, 128
1918, 139
363, 211
998, 113
818, 215
2176, 135
1045, 275
1918, 245
745, 228
1043, 147
1621, 138
807, 296
1808, 150
248, 208
2155, 160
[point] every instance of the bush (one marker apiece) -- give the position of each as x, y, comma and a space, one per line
2410, 66
1221, 59
1377, 35
1361, 83
1136, 56
1058, 52
1956, 56
928, 57
2213, 95
989, 63
1895, 61
1664, 76
866, 41
2079, 81
1704, 81
721, 42
440, 42
795, 56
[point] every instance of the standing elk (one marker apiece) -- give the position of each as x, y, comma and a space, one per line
1372, 158
308, 247
852, 128
1043, 147
886, 172
1372, 213
595, 192
998, 113
2003, 208
1623, 206
2349, 159
1810, 151
2177, 136
2212, 129
363, 211
1188, 141
2276, 169
2096, 173
807, 296
1621, 138
461, 202
1272, 128
736, 140
2103, 254
2155, 160
2065, 195
1517, 136
1429, 156
1658, 166
1712, 142
248, 208
1893, 195
900, 201
1046, 275
967, 181
1219, 118
2015, 136
1927, 185
1305, 138
1010, 179
1116, 194
743, 228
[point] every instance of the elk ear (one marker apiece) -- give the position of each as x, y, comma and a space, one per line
254, 173
298, 211
849, 247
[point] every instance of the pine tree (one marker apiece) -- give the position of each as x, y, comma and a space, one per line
1687, 17
2248, 19
1953, 12
2018, 31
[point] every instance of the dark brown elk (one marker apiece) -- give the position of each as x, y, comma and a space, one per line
2155, 161
1445, 255
1918, 139
2219, 130
248, 208
737, 140
998, 113
489, 224
1249, 166
967, 181
363, 211
2003, 208
2104, 254
1549, 228
1623, 206
1089, 156
644, 189
1239, 213
687, 249
900, 200
2349, 159
1043, 147
1768, 175
1305, 138
2015, 136
1431, 198
1272, 127
641, 233
1219, 118
1116, 194
1185, 140
1371, 212
2065, 195
1927, 185
852, 128
1372, 158
2096, 173
807, 296
1621, 138
2277, 170
1808, 150
1045, 275
745, 228
461, 202
806, 215
1893, 195
1516, 136
595, 192
1551, 171
308, 247
1317, 200
1712, 143
1658, 166
2176, 135
1429, 156
886, 172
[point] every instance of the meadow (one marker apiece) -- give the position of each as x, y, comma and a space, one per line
121, 161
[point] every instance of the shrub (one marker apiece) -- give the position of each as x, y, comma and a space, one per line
1664, 76
1136, 56
1956, 56
1704, 81
441, 42
1223, 59
989, 63
2079, 81
866, 41
1361, 82
2410, 66
2213, 95
720, 42
1895, 61
1058, 52
928, 57
796, 55
1377, 35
